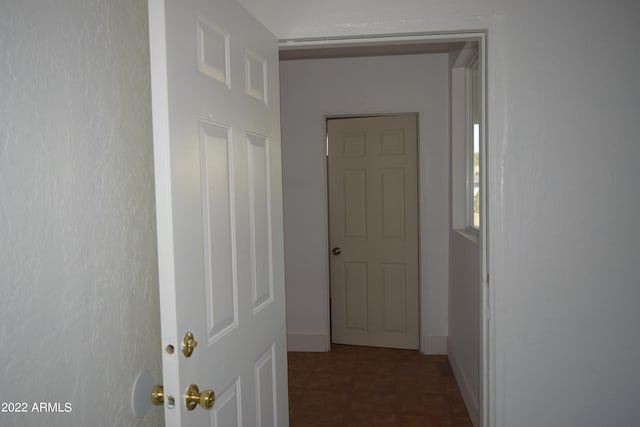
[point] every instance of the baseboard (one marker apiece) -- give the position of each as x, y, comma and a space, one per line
307, 342
434, 344
468, 394
319, 343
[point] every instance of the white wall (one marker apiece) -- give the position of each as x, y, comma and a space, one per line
464, 316
564, 203
567, 240
312, 89
79, 310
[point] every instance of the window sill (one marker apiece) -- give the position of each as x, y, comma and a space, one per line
469, 233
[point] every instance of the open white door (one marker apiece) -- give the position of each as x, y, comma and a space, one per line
214, 72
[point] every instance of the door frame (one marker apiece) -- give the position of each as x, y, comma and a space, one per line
325, 124
487, 342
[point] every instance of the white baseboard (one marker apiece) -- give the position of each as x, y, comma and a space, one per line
307, 342
468, 394
434, 344
320, 343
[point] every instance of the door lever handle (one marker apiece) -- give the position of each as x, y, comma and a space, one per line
336, 251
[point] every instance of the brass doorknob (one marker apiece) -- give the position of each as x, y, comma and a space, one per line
336, 251
193, 397
157, 395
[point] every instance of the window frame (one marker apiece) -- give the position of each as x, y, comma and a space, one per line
462, 141
473, 101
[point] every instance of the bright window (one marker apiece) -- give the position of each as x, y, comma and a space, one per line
474, 135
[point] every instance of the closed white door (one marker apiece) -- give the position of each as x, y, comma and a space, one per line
373, 214
219, 212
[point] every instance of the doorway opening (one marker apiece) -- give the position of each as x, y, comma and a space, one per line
434, 190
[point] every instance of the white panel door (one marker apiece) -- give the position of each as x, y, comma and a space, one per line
219, 212
373, 191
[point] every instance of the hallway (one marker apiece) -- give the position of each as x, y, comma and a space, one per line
366, 386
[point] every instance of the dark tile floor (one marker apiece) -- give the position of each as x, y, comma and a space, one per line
367, 386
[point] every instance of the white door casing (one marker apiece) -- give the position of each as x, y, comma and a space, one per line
374, 221
214, 72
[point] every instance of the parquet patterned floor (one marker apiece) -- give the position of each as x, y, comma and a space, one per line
366, 386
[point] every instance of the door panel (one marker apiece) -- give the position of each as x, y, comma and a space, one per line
260, 228
219, 211
355, 203
374, 221
392, 193
226, 411
356, 287
221, 286
394, 283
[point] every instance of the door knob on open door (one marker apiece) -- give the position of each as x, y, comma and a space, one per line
193, 397
157, 395
336, 251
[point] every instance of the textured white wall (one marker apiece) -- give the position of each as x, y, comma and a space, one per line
312, 89
564, 204
79, 310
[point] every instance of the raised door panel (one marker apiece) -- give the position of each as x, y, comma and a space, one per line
265, 380
356, 292
221, 286
354, 193
392, 195
394, 283
227, 411
260, 221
